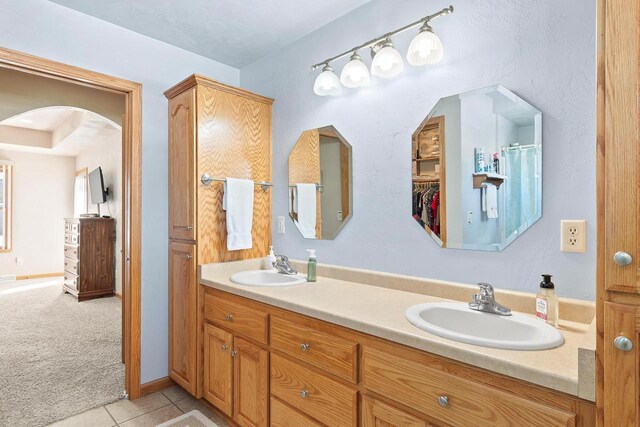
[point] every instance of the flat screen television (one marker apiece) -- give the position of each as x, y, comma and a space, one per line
96, 187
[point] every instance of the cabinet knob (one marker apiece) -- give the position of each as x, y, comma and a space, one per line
623, 343
188, 257
233, 353
228, 317
304, 394
443, 401
225, 347
622, 258
189, 227
304, 347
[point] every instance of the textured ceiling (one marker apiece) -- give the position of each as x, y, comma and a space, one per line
234, 32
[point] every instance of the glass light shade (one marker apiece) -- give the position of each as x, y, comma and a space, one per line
387, 63
355, 73
327, 83
425, 48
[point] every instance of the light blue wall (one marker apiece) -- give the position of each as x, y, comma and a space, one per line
544, 51
46, 29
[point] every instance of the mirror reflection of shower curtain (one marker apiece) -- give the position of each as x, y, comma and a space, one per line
522, 187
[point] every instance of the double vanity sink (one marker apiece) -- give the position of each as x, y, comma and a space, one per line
451, 320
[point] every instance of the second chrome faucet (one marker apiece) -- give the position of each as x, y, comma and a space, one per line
485, 301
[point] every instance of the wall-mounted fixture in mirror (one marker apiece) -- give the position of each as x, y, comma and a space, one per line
320, 195
477, 169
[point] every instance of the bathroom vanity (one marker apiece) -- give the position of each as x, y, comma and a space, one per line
339, 352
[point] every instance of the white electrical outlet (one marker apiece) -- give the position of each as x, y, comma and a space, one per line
470, 217
340, 216
280, 225
573, 236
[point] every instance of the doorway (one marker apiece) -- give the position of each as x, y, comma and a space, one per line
131, 189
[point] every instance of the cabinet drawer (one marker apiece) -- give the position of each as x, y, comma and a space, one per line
467, 403
72, 266
324, 399
71, 281
319, 348
376, 413
73, 239
71, 251
241, 319
283, 416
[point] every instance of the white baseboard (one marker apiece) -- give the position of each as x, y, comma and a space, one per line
7, 278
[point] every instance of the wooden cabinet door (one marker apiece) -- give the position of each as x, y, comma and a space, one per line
251, 388
621, 394
183, 291
621, 162
218, 368
378, 414
182, 161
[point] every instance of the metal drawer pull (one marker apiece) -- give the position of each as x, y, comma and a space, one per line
233, 353
622, 258
189, 227
228, 317
188, 257
305, 347
623, 343
225, 347
443, 401
304, 394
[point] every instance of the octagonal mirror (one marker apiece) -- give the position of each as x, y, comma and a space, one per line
477, 169
320, 195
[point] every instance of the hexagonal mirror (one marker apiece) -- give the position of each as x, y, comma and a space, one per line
320, 195
477, 169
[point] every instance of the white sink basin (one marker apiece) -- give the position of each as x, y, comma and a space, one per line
456, 321
267, 278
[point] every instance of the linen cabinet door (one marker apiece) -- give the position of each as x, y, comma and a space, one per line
183, 293
621, 340
218, 368
378, 414
621, 160
251, 386
182, 161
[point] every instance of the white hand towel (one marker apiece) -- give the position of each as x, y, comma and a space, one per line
238, 202
491, 198
306, 207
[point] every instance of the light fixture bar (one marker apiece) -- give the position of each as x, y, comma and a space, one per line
445, 11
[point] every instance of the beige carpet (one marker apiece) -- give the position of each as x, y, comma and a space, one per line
58, 357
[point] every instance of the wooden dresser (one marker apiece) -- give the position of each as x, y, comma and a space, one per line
89, 257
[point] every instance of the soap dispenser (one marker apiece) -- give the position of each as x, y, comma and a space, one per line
271, 260
547, 301
311, 266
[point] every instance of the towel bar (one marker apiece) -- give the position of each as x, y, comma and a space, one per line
206, 180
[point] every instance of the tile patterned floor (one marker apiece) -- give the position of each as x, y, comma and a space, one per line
148, 411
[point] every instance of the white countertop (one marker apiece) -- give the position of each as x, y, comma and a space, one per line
380, 311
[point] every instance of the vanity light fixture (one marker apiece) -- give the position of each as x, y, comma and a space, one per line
387, 62
327, 83
426, 48
355, 73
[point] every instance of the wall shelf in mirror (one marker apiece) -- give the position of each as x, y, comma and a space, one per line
480, 178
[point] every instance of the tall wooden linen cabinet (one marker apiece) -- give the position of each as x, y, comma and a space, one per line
618, 183
220, 131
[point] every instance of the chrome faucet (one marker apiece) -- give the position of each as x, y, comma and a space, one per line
282, 265
485, 301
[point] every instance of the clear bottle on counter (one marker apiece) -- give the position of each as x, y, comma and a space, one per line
547, 308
